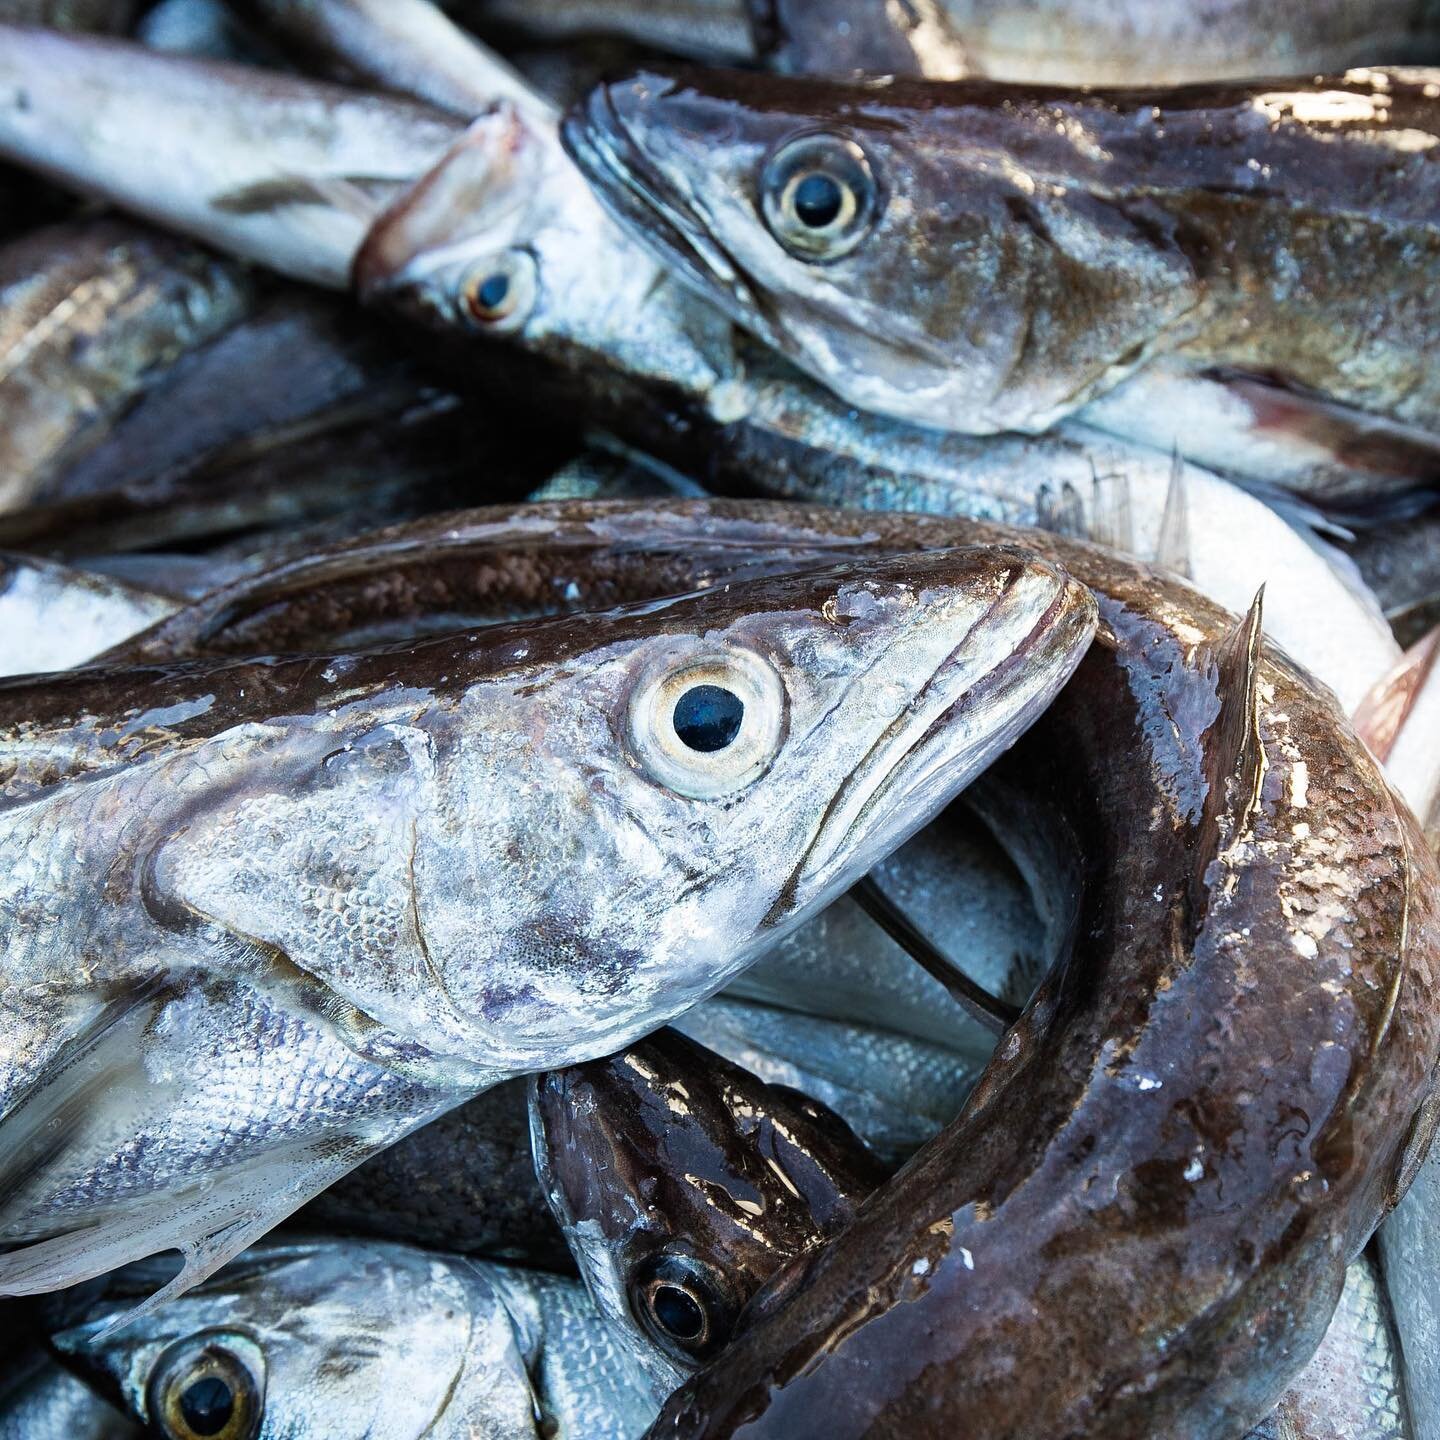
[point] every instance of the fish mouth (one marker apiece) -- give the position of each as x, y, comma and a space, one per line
929, 753
650, 206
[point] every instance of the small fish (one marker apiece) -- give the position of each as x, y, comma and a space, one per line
330, 1340
52, 617
90, 313
309, 842
682, 1182
1065, 243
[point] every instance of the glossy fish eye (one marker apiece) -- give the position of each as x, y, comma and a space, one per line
708, 724
208, 1387
498, 293
683, 1304
819, 197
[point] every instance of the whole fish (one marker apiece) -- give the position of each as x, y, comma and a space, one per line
1077, 253
90, 313
52, 617
288, 920
330, 1340
682, 1182
1235, 1165
41, 1400
673, 1259
598, 324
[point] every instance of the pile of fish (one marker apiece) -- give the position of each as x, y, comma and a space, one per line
721, 719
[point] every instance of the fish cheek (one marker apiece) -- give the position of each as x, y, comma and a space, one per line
312, 868
1104, 286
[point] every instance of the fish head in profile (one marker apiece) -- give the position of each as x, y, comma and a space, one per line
931, 252
504, 241
312, 1341
523, 847
683, 1183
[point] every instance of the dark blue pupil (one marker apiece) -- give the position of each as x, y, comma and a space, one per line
207, 1405
493, 291
707, 718
817, 201
677, 1312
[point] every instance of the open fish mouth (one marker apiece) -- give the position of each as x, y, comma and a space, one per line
645, 200
945, 736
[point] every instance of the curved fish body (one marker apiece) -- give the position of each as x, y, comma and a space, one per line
282, 1346
985, 258
266, 167
1234, 1166
91, 312
52, 617
682, 1182
308, 842
506, 215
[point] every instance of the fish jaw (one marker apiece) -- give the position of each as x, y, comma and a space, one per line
284, 171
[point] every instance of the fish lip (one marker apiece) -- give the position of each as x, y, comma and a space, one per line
905, 776
634, 189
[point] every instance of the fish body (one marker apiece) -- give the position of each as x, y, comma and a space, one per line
41, 1400
308, 844
1148, 1094
293, 178
1063, 242
282, 1346
90, 313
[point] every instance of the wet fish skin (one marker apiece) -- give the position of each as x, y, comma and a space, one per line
1352, 1389
670, 1169
1239, 1373
1087, 245
838, 37
91, 312
347, 779
469, 1349
266, 167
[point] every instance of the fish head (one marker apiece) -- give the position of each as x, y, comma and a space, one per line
630, 808
504, 241
313, 1341
683, 1183
922, 250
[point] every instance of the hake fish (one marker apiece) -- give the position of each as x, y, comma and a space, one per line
986, 258
285, 966
682, 1182
329, 1340
1209, 1104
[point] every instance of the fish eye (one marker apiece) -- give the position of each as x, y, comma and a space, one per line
683, 1304
498, 293
208, 1387
819, 196
709, 724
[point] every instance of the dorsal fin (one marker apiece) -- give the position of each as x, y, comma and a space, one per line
1172, 548
1234, 750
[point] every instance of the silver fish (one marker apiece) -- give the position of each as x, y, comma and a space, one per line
333, 1340
41, 1400
284, 970
90, 313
